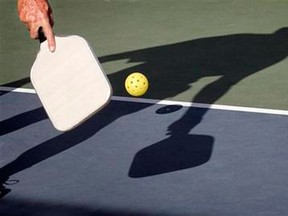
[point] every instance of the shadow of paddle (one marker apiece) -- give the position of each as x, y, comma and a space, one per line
172, 154
179, 151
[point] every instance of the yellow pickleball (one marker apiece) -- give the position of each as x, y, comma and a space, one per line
136, 84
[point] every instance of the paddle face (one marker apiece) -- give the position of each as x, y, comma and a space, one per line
70, 82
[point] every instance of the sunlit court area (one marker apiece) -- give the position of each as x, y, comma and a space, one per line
206, 136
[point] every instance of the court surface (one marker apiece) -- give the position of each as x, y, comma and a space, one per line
124, 162
209, 138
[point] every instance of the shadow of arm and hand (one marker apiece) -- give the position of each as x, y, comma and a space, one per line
236, 58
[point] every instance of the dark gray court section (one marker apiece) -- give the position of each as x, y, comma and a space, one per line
143, 159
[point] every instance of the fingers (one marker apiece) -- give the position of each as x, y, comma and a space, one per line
33, 30
48, 32
35, 15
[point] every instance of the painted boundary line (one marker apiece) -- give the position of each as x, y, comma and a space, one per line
170, 102
18, 90
201, 105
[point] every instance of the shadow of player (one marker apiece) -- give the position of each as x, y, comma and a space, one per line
172, 69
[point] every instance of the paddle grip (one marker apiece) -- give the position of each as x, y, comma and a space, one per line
41, 35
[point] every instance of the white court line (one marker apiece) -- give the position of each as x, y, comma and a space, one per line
18, 90
170, 102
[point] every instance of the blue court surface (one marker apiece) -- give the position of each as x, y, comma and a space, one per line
142, 159
209, 155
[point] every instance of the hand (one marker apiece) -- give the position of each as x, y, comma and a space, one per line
36, 14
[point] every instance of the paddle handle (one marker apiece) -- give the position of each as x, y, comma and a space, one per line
41, 35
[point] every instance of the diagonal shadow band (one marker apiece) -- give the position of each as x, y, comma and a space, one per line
15, 84
65, 140
22, 120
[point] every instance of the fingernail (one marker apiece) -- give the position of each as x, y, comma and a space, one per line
52, 48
